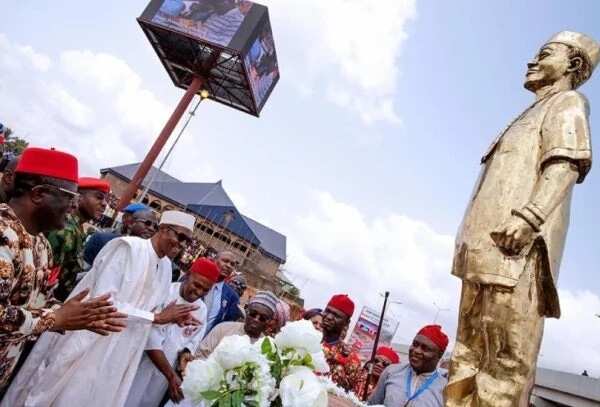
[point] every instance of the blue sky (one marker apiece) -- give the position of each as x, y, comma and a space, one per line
364, 156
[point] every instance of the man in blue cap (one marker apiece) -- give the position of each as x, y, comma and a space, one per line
138, 220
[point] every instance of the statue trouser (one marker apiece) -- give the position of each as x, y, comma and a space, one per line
498, 340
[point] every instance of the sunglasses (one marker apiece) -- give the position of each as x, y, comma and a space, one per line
65, 192
148, 223
181, 237
258, 316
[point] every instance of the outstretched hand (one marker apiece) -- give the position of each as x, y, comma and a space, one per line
96, 314
176, 313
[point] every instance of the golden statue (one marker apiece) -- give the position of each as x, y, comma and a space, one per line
510, 243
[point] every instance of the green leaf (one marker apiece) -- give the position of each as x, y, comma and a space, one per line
266, 347
210, 395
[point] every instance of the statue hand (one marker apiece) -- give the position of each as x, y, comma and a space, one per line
512, 236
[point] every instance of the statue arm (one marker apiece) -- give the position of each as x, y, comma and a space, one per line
553, 187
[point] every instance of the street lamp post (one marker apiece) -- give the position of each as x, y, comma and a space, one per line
376, 343
437, 314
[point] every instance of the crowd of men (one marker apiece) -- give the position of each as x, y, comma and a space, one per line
97, 318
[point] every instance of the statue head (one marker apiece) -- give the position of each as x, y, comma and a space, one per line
568, 55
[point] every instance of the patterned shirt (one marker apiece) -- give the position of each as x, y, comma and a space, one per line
24, 306
67, 246
361, 382
344, 370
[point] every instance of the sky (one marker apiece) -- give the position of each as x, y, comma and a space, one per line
365, 154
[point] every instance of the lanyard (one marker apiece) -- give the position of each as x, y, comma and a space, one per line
421, 389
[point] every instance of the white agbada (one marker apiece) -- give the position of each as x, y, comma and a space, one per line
149, 385
82, 368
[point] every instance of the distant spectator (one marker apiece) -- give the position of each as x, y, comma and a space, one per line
315, 316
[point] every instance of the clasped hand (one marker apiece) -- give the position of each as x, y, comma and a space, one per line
513, 235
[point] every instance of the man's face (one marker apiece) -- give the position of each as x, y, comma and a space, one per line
238, 285
52, 203
549, 65
173, 239
423, 354
226, 263
334, 321
195, 286
144, 224
381, 362
258, 317
92, 203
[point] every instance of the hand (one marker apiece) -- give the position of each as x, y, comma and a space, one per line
184, 358
189, 320
175, 392
174, 313
95, 314
513, 236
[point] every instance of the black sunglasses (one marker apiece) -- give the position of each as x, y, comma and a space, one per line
181, 237
149, 224
254, 314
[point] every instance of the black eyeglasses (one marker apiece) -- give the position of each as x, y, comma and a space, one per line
254, 314
148, 223
181, 237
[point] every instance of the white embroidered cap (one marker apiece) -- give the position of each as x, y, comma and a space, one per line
178, 218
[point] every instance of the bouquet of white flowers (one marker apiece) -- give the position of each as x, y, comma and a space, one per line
272, 372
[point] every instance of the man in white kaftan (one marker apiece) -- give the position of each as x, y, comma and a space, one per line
84, 369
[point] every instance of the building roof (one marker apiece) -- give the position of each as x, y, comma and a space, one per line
209, 200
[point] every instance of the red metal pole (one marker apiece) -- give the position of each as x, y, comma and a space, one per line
160, 142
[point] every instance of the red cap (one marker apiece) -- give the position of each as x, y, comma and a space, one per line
94, 183
388, 353
435, 334
48, 163
343, 303
206, 268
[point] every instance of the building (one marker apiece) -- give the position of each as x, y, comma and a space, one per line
220, 226
554, 388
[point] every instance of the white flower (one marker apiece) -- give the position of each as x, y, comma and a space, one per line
233, 351
319, 362
299, 335
301, 388
200, 376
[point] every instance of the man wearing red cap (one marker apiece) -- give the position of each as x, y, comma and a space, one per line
384, 357
68, 243
44, 187
167, 344
417, 383
344, 365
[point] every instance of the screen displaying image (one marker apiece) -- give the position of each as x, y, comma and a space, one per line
215, 21
261, 62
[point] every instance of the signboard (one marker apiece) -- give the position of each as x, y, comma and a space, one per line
227, 42
365, 330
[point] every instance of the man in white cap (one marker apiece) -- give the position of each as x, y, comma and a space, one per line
90, 370
509, 246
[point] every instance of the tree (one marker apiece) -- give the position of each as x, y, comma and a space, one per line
14, 144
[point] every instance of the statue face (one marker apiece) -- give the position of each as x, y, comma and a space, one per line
549, 65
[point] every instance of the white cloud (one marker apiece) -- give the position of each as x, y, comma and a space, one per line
338, 249
90, 104
347, 50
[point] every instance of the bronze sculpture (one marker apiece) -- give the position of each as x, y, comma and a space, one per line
510, 243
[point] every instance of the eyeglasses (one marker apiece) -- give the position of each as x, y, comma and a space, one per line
257, 315
181, 237
69, 194
148, 223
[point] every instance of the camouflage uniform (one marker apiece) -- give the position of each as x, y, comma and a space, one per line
25, 306
67, 245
